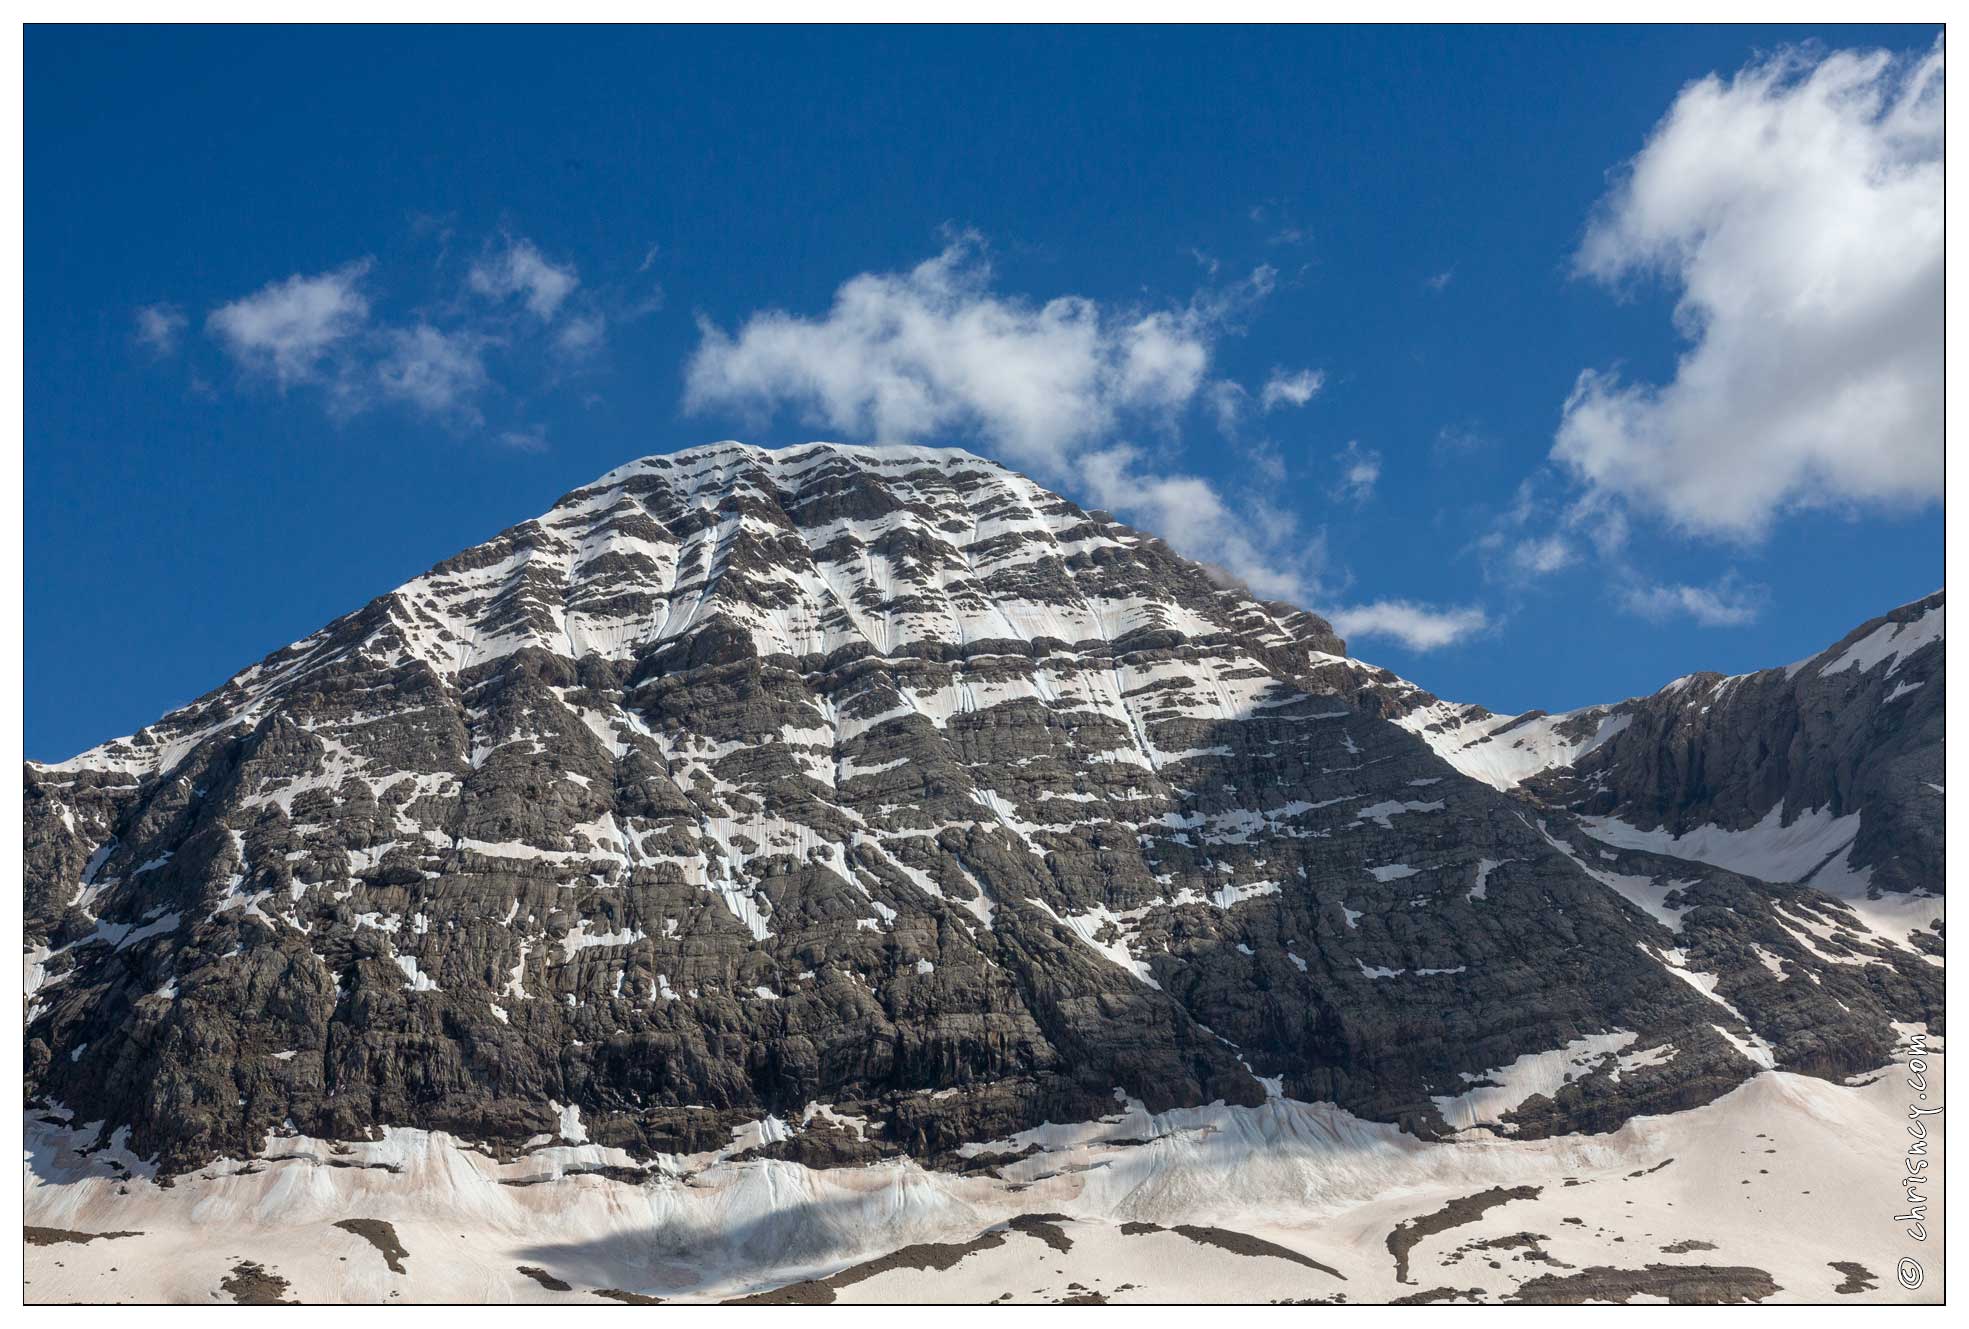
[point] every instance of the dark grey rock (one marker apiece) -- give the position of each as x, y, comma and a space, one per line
744, 781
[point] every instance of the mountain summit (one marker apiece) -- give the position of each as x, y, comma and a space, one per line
748, 793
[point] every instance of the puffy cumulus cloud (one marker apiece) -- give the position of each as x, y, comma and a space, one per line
159, 327
1729, 603
1162, 361
1251, 544
934, 353
286, 328
1358, 470
1296, 389
440, 359
520, 269
438, 373
1797, 210
1416, 626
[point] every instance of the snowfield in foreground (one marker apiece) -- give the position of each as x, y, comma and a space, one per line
1783, 1190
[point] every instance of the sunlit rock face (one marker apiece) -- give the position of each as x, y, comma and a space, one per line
743, 782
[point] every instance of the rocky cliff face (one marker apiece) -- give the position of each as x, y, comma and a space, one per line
1827, 771
882, 783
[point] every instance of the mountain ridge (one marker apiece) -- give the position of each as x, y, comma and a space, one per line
1788, 742
744, 784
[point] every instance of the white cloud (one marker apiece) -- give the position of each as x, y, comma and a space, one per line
1544, 530
1797, 210
1163, 357
1227, 401
1441, 280
1266, 460
582, 335
934, 354
158, 327
285, 328
438, 373
648, 303
1541, 556
1255, 545
1458, 441
521, 270
930, 353
531, 438
439, 358
1283, 389
1727, 604
1601, 520
1359, 471
1418, 627
1283, 232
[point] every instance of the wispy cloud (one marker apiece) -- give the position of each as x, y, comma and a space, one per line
1291, 389
325, 331
1545, 529
519, 269
286, 328
582, 335
1440, 281
528, 438
159, 327
1542, 555
1459, 443
1728, 603
1228, 401
1357, 471
1418, 627
438, 373
1256, 546
652, 299
1267, 461
1280, 230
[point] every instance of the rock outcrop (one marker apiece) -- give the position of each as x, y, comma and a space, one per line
879, 800
1827, 772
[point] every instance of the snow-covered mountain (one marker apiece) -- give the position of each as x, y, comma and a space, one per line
838, 806
1827, 771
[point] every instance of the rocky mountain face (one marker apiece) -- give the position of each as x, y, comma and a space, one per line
1827, 771
883, 785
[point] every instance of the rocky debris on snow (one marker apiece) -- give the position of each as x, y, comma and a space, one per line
250, 1284
1677, 1284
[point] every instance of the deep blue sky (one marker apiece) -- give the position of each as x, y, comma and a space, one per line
184, 518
